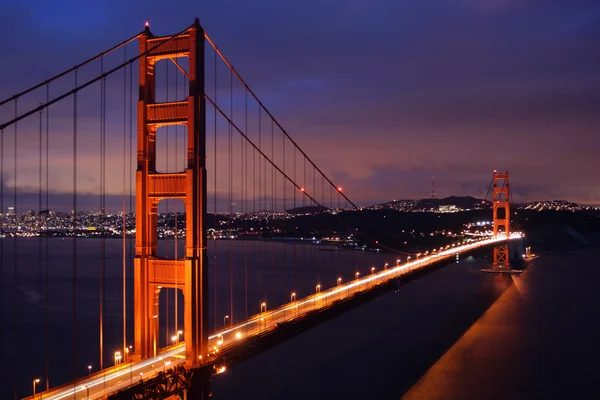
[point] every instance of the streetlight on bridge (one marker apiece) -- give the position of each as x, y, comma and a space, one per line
35, 381
263, 306
225, 318
89, 370
372, 270
318, 289
292, 297
339, 281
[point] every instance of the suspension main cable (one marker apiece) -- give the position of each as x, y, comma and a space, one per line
75, 68
243, 82
90, 82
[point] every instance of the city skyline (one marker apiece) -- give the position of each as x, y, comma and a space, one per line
379, 122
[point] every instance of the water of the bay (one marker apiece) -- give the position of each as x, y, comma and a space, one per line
456, 333
42, 329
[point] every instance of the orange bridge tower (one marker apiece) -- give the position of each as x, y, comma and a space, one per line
152, 273
501, 210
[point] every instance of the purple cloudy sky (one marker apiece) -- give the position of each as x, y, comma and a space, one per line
382, 94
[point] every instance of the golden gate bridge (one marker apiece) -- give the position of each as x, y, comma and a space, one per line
204, 143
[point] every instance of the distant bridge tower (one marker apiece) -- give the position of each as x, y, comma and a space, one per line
501, 211
151, 273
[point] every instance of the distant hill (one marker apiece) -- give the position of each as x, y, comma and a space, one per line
459, 202
466, 202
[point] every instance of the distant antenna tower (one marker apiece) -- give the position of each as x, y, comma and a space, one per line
433, 187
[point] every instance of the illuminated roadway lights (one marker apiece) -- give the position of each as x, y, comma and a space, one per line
317, 288
167, 363
225, 318
89, 370
263, 307
408, 259
418, 255
339, 281
292, 297
372, 270
35, 381
385, 265
357, 274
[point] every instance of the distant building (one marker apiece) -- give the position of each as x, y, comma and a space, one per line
11, 211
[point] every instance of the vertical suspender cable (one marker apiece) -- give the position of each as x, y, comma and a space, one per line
47, 289
260, 193
75, 236
259, 232
40, 263
231, 196
273, 219
284, 184
245, 199
15, 255
215, 201
102, 242
124, 228
294, 221
40, 201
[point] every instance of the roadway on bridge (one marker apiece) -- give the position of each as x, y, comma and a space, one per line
103, 383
